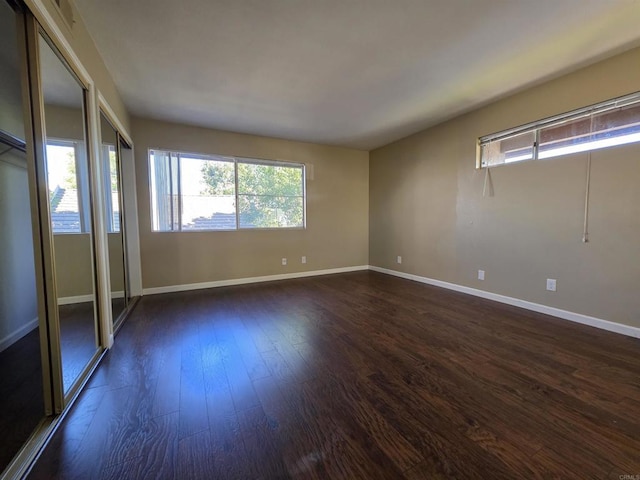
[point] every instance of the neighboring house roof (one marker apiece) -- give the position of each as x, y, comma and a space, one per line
65, 215
217, 221
204, 212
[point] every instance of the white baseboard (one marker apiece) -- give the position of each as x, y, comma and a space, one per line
76, 299
16, 335
536, 307
242, 281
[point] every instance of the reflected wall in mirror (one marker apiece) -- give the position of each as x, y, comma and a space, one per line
21, 387
70, 210
110, 164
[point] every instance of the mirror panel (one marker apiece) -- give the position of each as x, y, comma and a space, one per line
67, 179
110, 164
21, 378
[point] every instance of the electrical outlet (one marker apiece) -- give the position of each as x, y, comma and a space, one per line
480, 274
284, 261
399, 259
551, 284
304, 259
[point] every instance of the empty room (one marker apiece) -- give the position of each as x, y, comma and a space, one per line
363, 239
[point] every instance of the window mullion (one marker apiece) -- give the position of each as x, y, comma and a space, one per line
237, 183
179, 164
82, 190
106, 172
171, 190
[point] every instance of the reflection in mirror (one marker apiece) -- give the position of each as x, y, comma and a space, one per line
21, 388
125, 156
110, 163
70, 209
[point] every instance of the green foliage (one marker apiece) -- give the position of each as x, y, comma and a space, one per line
113, 170
269, 196
70, 179
218, 178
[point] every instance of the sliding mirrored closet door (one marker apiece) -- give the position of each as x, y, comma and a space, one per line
69, 231
113, 204
22, 391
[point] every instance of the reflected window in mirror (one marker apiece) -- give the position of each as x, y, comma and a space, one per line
67, 182
112, 199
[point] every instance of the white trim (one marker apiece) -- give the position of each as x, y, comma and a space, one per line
16, 335
535, 307
113, 118
76, 299
46, 20
242, 281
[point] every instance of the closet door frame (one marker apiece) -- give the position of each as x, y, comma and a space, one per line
118, 319
34, 31
23, 17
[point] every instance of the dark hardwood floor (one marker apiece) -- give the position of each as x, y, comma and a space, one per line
354, 376
21, 398
21, 395
77, 340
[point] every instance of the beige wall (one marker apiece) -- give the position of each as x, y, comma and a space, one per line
426, 204
74, 271
11, 120
64, 123
18, 302
74, 274
337, 212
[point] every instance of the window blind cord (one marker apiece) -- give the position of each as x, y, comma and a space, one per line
487, 181
585, 231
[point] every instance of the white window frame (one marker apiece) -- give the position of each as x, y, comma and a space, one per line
82, 181
106, 172
176, 217
631, 100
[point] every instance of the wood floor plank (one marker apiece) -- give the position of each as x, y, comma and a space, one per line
166, 397
193, 402
261, 445
300, 457
194, 459
158, 456
363, 416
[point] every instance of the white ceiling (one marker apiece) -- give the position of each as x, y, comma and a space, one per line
357, 73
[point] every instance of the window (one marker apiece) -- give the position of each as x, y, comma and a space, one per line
213, 192
616, 122
112, 197
67, 186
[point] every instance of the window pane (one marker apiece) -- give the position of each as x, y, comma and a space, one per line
208, 194
508, 150
114, 223
606, 129
161, 191
270, 196
270, 212
63, 189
